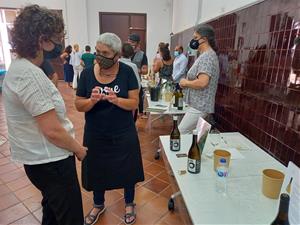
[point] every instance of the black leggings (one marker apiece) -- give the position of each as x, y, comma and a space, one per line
128, 195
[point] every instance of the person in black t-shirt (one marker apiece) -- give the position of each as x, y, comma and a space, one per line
107, 93
49, 71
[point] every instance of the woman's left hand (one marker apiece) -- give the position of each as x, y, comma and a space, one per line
183, 83
111, 97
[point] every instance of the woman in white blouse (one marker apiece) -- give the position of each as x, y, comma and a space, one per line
41, 136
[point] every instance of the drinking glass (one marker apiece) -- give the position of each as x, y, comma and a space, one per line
215, 137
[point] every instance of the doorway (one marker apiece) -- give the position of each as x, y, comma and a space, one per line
124, 24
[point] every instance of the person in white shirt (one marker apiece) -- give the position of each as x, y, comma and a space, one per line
75, 61
40, 134
127, 53
179, 64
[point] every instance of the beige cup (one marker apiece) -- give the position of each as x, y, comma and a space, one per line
218, 154
271, 183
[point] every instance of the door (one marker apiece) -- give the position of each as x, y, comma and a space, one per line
124, 24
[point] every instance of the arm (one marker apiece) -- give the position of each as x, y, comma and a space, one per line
202, 81
54, 79
130, 103
156, 66
57, 135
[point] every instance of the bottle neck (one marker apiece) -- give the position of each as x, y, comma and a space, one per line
174, 123
283, 210
194, 139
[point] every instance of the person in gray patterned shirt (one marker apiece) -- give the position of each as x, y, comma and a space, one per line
202, 79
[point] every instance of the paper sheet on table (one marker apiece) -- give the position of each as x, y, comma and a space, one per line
235, 154
293, 175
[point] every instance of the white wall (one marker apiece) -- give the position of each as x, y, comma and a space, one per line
159, 22
185, 14
215, 8
74, 14
189, 13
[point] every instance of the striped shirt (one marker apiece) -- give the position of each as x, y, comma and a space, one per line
28, 93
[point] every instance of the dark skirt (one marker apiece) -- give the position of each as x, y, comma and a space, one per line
112, 162
68, 72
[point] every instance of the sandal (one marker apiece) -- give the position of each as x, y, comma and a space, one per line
128, 216
93, 218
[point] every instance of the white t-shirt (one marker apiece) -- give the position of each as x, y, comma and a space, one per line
27, 93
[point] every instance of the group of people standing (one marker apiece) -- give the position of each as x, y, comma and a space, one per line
74, 62
108, 91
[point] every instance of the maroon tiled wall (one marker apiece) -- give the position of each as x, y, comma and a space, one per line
259, 86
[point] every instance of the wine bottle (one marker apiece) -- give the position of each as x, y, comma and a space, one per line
194, 156
283, 212
180, 100
175, 136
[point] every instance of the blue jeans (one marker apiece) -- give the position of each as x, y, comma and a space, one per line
128, 195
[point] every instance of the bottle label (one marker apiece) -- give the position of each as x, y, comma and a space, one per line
180, 102
194, 165
175, 144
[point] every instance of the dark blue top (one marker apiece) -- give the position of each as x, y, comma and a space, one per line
105, 118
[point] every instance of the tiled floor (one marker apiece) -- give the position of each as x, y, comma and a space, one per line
20, 200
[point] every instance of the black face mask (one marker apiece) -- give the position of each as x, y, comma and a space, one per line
194, 44
105, 62
54, 53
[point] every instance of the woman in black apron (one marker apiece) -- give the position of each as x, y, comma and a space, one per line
107, 93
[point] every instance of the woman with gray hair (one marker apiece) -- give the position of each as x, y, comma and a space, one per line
202, 79
107, 93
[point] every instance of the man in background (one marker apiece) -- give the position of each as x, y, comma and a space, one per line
140, 60
179, 64
87, 58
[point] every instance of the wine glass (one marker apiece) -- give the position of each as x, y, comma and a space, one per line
215, 137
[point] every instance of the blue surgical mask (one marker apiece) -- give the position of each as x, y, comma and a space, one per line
176, 53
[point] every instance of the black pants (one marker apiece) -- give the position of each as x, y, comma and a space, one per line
62, 203
141, 101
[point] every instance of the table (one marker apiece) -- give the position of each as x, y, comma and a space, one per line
244, 202
156, 108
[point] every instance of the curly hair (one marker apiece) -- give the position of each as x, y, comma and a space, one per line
33, 24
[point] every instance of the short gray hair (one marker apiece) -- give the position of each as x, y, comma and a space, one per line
112, 41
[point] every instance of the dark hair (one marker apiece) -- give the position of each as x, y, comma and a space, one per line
87, 48
68, 49
207, 31
31, 25
165, 52
127, 50
180, 48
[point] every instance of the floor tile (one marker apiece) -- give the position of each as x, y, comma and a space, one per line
27, 220
13, 213
154, 169
13, 175
26, 192
33, 203
8, 200
4, 189
156, 185
19, 183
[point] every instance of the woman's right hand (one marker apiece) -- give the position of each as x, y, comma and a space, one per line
81, 153
96, 96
